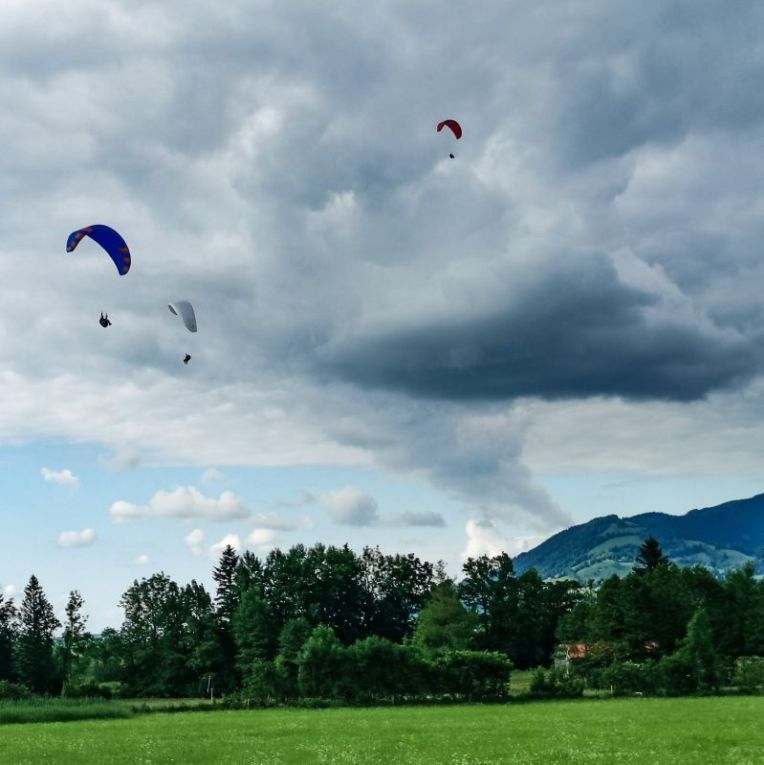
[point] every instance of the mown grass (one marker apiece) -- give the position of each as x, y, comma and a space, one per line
695, 731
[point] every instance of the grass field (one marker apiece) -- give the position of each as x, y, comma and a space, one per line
697, 731
520, 682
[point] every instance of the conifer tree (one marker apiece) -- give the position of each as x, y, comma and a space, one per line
34, 649
226, 597
650, 556
226, 601
74, 634
7, 636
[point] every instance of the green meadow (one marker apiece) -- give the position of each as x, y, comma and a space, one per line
641, 731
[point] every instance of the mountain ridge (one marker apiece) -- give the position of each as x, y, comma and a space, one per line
721, 538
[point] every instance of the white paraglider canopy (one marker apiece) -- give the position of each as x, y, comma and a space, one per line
185, 310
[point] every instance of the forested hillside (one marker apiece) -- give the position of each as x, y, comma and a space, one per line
721, 538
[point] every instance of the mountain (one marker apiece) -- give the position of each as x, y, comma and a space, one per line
720, 538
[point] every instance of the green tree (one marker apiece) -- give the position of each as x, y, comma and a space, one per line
650, 556
249, 572
292, 638
397, 587
334, 592
34, 648
253, 630
155, 635
700, 653
322, 665
206, 660
490, 590
75, 638
226, 601
107, 657
743, 620
7, 637
285, 585
444, 623
227, 595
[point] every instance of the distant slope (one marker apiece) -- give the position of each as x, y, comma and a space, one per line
721, 538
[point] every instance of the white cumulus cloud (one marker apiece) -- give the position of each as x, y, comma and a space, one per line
228, 539
9, 590
63, 477
76, 538
183, 502
263, 538
194, 540
212, 474
351, 506
483, 538
124, 458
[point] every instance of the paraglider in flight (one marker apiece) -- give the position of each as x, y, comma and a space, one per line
455, 128
109, 239
104, 321
185, 310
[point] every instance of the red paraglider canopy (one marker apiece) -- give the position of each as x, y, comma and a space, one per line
454, 125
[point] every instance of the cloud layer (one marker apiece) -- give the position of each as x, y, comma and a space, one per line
363, 299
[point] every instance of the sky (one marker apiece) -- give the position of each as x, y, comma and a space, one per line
442, 356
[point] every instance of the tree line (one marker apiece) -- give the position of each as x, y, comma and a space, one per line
668, 629
327, 622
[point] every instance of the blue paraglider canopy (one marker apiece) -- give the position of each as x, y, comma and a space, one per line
109, 239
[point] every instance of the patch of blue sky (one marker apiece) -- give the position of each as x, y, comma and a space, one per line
33, 513
589, 495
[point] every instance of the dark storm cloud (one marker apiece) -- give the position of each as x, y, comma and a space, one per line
579, 332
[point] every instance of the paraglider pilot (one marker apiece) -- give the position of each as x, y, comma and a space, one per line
104, 321
187, 359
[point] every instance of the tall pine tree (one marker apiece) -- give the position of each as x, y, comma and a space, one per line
227, 596
650, 556
75, 637
34, 649
226, 602
7, 637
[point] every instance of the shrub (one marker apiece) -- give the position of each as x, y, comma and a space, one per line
87, 690
264, 683
676, 676
472, 675
749, 673
322, 665
13, 691
628, 677
553, 684
382, 670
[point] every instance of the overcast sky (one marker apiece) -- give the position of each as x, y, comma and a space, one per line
444, 356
